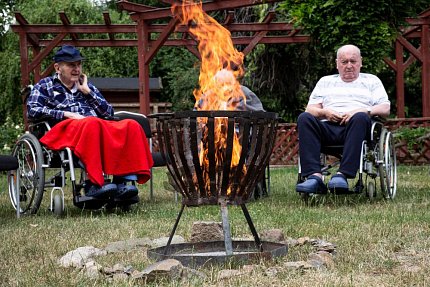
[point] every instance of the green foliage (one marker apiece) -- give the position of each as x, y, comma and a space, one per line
371, 25
180, 70
183, 81
411, 136
11, 130
10, 100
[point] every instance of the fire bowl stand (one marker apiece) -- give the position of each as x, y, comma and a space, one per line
218, 180
225, 226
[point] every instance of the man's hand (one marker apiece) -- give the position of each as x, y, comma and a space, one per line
75, 116
83, 84
333, 116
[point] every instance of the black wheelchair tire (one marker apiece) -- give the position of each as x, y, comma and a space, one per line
31, 174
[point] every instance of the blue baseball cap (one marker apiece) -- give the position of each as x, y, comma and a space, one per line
67, 53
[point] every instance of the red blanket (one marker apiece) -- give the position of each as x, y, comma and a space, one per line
109, 147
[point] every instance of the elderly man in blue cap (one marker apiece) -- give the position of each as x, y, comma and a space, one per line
66, 96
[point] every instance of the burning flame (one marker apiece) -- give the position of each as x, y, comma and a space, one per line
221, 66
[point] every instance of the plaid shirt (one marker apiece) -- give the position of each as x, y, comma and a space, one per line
49, 97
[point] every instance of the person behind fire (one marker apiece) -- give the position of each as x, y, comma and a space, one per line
339, 112
226, 78
68, 95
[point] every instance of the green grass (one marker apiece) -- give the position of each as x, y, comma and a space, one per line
380, 243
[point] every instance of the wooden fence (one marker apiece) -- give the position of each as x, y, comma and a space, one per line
286, 147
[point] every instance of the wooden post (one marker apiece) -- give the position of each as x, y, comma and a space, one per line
425, 72
143, 45
400, 83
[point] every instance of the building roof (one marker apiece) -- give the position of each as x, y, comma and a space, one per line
125, 84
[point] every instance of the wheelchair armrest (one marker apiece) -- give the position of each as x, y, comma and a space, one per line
8, 162
111, 118
378, 119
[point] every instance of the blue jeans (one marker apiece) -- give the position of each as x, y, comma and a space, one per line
314, 133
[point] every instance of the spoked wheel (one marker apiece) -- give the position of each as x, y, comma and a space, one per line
388, 165
26, 184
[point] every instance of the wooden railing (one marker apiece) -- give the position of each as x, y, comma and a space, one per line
286, 147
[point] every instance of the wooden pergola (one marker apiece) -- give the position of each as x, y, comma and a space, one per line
35, 46
419, 29
150, 36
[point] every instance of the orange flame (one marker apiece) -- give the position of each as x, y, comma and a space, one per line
221, 65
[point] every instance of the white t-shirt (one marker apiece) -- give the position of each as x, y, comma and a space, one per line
333, 93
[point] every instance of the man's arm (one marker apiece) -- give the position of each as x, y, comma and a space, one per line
382, 110
37, 106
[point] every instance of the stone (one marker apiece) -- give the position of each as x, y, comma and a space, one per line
203, 231
273, 235
170, 268
228, 273
127, 245
92, 269
163, 241
291, 242
78, 257
298, 265
321, 245
302, 240
321, 259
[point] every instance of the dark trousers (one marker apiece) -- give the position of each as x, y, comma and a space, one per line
314, 133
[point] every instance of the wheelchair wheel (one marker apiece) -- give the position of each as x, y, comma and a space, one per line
370, 191
58, 206
388, 168
29, 179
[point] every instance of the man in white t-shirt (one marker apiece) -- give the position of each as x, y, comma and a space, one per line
338, 113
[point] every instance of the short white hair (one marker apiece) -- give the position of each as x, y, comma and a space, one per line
348, 47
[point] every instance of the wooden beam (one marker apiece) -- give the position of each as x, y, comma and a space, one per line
259, 35
133, 7
414, 51
156, 45
425, 69
108, 23
229, 18
176, 42
76, 28
32, 39
154, 28
53, 43
418, 21
66, 22
159, 13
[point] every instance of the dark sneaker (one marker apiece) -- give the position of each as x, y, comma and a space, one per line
103, 192
338, 183
313, 184
125, 191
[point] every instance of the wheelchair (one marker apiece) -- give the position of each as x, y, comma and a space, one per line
377, 164
41, 168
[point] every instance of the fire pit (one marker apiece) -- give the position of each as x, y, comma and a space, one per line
217, 158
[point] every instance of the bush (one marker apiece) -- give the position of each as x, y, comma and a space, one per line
11, 131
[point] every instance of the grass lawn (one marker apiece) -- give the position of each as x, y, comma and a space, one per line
380, 243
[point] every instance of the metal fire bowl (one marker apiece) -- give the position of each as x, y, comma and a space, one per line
211, 253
